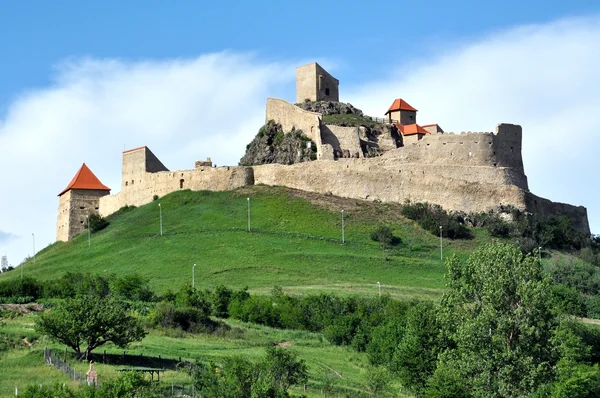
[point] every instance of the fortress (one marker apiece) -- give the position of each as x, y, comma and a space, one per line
399, 160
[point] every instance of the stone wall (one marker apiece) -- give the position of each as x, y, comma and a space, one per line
547, 208
342, 138
392, 180
73, 207
164, 182
290, 116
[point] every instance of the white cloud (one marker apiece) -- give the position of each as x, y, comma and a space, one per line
184, 110
543, 77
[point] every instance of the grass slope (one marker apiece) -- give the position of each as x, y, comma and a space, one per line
295, 243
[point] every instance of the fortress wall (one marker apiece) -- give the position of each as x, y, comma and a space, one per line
290, 116
547, 208
466, 149
164, 182
453, 187
306, 83
508, 144
341, 138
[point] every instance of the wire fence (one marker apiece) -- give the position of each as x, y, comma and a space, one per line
63, 366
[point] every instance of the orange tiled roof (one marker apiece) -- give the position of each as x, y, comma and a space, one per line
85, 179
400, 105
411, 129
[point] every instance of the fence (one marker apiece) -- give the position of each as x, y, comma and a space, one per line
381, 119
62, 365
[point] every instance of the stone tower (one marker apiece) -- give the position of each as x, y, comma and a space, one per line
313, 83
79, 199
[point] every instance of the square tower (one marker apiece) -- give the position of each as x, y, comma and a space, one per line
77, 201
314, 83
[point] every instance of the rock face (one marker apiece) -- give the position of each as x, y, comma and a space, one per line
272, 145
330, 108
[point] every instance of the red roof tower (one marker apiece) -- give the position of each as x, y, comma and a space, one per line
85, 179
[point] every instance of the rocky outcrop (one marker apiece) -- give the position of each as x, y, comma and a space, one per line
330, 108
272, 145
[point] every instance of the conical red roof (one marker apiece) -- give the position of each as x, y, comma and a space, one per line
85, 179
400, 105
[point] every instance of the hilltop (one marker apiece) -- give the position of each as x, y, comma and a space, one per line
295, 242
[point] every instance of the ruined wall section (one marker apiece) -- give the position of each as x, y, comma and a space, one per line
165, 182
469, 150
453, 187
73, 207
342, 139
547, 208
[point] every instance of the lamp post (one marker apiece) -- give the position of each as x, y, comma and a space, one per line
89, 232
193, 276
248, 214
160, 216
343, 239
33, 236
441, 246
540, 253
379, 288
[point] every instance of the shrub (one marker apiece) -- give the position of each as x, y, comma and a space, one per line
432, 217
97, 223
384, 236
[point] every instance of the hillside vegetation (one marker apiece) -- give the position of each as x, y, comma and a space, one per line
295, 242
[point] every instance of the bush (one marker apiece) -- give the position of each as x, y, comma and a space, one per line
432, 217
384, 236
97, 223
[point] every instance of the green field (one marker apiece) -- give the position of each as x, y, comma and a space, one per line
295, 242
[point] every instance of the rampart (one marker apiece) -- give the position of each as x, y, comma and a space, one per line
292, 117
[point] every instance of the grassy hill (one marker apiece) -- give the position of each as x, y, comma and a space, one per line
295, 242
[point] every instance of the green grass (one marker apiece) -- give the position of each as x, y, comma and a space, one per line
349, 120
24, 365
295, 243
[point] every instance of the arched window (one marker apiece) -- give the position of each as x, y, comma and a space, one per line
181, 183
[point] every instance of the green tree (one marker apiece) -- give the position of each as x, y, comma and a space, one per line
90, 320
497, 322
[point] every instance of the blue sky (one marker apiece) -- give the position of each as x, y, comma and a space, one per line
102, 76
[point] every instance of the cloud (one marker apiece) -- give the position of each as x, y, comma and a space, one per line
6, 237
183, 109
543, 77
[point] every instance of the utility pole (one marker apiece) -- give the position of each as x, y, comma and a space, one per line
160, 216
193, 276
441, 246
248, 214
343, 239
33, 235
379, 287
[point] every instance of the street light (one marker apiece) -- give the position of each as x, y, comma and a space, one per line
248, 214
160, 215
540, 253
89, 232
33, 236
379, 287
441, 246
193, 276
343, 240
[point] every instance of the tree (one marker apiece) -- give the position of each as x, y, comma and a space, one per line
497, 323
90, 320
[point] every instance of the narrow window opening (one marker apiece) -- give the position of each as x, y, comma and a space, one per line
126, 183
132, 182
81, 207
326, 91
181, 183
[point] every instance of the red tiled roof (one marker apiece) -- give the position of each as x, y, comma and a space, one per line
85, 179
400, 105
429, 125
411, 129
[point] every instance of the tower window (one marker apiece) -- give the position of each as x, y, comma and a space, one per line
181, 183
326, 91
